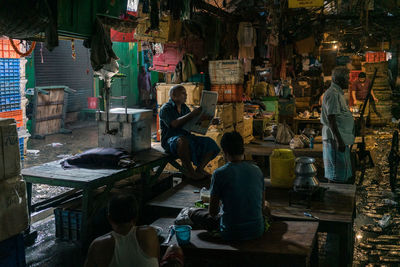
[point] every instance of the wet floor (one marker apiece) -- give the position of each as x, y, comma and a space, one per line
377, 225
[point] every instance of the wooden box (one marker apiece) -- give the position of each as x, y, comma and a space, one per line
10, 158
248, 126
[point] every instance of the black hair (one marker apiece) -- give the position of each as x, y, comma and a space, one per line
122, 209
232, 143
362, 75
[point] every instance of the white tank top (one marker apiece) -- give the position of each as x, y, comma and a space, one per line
127, 252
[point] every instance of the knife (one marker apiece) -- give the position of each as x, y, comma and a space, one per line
310, 215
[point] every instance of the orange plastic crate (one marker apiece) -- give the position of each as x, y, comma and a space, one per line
15, 114
6, 50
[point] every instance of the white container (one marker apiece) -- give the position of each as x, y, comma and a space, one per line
226, 72
13, 207
10, 159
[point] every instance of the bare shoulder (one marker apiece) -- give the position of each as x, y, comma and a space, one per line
101, 251
148, 240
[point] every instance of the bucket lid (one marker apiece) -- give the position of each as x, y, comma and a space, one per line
305, 160
283, 153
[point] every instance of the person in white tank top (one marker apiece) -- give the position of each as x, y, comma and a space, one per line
127, 245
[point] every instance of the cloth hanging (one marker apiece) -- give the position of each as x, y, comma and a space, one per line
247, 40
188, 67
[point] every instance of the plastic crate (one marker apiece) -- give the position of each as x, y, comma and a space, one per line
12, 251
9, 107
6, 50
16, 114
21, 147
68, 224
373, 57
10, 99
9, 67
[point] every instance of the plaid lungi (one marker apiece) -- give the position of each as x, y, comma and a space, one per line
337, 164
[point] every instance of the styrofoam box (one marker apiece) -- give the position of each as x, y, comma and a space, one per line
13, 207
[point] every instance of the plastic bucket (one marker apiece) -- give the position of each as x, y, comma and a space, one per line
282, 163
92, 102
182, 234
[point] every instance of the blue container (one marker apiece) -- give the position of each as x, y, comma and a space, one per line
9, 67
21, 147
12, 252
182, 234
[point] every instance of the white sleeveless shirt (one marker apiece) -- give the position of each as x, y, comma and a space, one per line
127, 252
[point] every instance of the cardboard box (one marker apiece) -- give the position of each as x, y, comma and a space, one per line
238, 112
239, 127
215, 164
225, 113
193, 91
10, 158
248, 126
13, 207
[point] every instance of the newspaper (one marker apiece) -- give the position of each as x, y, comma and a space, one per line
200, 123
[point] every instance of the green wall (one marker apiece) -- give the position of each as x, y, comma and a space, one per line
128, 65
30, 72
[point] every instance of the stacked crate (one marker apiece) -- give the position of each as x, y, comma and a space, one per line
380, 113
12, 89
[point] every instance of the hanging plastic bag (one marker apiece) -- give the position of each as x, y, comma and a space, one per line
284, 134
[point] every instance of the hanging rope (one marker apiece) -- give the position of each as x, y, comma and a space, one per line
27, 53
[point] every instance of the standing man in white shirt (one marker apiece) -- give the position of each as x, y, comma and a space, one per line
338, 129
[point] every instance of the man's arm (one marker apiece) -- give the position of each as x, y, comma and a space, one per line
374, 97
266, 208
213, 209
148, 241
336, 134
179, 122
353, 94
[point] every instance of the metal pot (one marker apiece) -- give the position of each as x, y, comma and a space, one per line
305, 166
306, 171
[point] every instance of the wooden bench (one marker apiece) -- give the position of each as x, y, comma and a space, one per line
286, 243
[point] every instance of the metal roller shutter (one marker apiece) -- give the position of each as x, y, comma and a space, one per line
58, 68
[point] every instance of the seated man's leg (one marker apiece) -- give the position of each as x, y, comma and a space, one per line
181, 147
205, 150
173, 257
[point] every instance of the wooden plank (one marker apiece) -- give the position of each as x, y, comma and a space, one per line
285, 243
176, 198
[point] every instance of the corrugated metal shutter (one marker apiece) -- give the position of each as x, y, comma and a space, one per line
58, 68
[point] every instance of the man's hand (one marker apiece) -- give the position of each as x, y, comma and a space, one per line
215, 121
197, 111
341, 146
376, 100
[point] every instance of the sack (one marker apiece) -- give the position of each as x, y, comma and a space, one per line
183, 218
99, 158
284, 134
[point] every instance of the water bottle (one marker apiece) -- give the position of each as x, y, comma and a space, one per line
311, 142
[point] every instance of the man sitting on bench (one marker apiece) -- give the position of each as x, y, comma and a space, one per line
188, 147
239, 186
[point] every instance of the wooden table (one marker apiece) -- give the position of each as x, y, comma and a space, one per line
90, 179
336, 212
286, 243
297, 121
265, 148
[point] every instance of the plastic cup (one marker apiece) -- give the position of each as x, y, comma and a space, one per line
182, 233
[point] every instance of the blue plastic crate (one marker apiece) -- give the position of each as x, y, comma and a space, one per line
68, 224
21, 147
12, 251
9, 107
9, 67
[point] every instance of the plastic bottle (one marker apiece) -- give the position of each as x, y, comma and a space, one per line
311, 142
